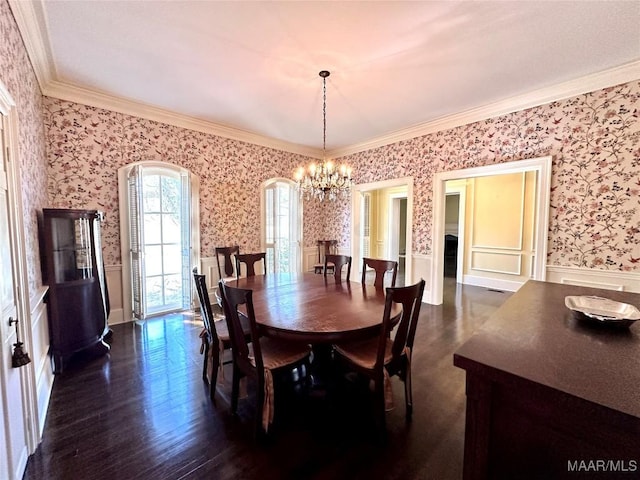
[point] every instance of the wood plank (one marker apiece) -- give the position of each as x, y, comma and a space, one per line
144, 412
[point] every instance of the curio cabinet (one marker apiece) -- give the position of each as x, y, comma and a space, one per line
72, 267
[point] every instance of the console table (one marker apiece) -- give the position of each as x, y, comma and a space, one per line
546, 391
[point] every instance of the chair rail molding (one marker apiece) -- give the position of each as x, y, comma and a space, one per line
590, 277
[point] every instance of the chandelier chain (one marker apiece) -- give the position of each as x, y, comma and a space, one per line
324, 118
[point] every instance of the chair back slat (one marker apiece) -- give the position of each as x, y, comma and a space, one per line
233, 301
326, 247
223, 254
410, 299
381, 267
250, 259
338, 262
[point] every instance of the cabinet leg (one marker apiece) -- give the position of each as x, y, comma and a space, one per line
58, 363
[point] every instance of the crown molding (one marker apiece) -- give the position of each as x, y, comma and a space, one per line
33, 28
29, 16
106, 101
607, 78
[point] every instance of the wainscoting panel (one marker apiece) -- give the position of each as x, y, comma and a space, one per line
588, 277
114, 285
39, 355
421, 268
209, 268
498, 262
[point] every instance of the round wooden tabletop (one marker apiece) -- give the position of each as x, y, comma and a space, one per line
314, 308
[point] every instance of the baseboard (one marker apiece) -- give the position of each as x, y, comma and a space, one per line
589, 277
493, 283
116, 316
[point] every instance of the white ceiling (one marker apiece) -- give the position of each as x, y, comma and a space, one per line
252, 67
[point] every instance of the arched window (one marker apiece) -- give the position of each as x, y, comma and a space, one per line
281, 225
159, 228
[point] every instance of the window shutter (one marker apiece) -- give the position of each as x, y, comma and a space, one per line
185, 215
136, 241
366, 224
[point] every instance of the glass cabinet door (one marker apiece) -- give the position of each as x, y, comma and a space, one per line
72, 254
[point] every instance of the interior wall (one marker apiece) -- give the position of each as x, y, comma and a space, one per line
19, 79
88, 145
593, 139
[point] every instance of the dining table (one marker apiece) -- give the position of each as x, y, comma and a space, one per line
314, 308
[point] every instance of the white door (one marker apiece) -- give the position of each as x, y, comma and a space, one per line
13, 435
281, 226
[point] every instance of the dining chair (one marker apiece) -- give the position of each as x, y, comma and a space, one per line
225, 263
381, 267
250, 259
338, 261
260, 360
215, 335
380, 358
325, 247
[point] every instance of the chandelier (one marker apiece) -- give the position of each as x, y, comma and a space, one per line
325, 180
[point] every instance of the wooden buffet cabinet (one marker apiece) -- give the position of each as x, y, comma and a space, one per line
72, 267
549, 396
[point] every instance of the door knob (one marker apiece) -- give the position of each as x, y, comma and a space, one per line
12, 321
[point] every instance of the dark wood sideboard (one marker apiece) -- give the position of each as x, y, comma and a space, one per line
551, 396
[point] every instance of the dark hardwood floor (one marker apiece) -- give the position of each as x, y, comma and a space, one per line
143, 412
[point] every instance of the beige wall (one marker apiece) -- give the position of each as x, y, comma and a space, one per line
380, 229
500, 225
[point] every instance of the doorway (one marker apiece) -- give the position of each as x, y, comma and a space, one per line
398, 232
159, 237
365, 234
451, 234
281, 226
541, 168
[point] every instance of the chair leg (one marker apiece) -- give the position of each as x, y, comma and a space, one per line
215, 352
259, 410
380, 407
235, 389
206, 362
408, 397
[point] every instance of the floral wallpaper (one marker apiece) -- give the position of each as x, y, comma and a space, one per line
87, 146
18, 77
594, 140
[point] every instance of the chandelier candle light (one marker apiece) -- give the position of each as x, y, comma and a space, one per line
324, 180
